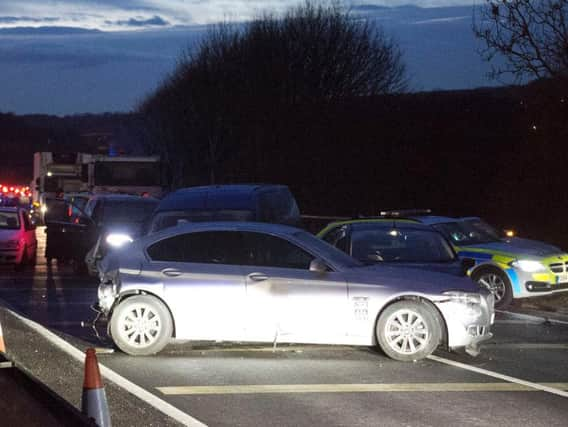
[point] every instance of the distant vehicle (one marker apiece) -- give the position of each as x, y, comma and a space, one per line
105, 218
273, 283
116, 219
72, 173
396, 242
18, 244
237, 202
509, 267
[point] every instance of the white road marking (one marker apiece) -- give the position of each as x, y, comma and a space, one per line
536, 386
519, 322
349, 388
111, 375
539, 319
528, 346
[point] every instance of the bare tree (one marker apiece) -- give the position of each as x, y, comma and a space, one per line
531, 35
236, 87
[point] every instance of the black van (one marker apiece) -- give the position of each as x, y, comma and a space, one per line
235, 202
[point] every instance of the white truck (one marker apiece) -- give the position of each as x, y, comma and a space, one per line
93, 173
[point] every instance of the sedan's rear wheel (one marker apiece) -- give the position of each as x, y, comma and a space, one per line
141, 325
408, 331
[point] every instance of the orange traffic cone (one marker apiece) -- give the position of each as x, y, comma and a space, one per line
93, 402
2, 345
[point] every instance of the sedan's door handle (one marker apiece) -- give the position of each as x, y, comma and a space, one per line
257, 277
171, 272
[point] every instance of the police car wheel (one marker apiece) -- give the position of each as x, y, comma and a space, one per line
497, 283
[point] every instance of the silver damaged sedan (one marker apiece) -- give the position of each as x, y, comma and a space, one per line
271, 283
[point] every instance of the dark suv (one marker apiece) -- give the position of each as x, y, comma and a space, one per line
236, 202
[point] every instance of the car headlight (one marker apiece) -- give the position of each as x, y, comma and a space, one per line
464, 297
528, 266
116, 240
466, 305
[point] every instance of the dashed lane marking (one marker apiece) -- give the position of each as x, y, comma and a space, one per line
352, 388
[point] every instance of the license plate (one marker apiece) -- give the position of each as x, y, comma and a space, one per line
562, 278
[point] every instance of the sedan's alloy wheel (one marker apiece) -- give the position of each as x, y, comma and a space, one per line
406, 332
140, 326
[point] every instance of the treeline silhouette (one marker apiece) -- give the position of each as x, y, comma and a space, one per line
499, 153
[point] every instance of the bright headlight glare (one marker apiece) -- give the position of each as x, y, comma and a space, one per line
464, 297
117, 240
528, 266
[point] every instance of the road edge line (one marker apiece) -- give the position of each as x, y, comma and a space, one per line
144, 395
541, 318
499, 376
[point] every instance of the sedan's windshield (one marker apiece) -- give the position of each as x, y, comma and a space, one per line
9, 220
327, 251
395, 245
468, 232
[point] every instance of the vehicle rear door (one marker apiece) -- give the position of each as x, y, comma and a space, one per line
203, 283
286, 301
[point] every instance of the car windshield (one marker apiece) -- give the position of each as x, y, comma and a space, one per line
468, 232
327, 251
9, 221
128, 211
171, 219
395, 245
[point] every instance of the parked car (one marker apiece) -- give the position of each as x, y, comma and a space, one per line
238, 202
108, 220
274, 283
509, 267
18, 244
115, 219
403, 243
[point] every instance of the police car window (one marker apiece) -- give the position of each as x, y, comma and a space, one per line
214, 247
338, 238
394, 245
271, 251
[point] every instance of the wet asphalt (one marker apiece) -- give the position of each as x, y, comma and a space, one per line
227, 384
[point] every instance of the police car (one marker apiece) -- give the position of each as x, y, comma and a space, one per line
510, 267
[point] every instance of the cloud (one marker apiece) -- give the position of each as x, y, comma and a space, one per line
26, 19
155, 21
121, 15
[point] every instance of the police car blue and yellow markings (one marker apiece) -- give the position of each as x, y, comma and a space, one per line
503, 261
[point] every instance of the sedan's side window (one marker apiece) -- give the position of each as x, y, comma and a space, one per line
208, 247
271, 251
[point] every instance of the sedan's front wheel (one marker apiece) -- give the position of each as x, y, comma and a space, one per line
408, 331
141, 325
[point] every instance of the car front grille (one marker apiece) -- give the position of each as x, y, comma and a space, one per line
559, 267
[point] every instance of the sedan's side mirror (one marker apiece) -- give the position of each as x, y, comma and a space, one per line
318, 266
